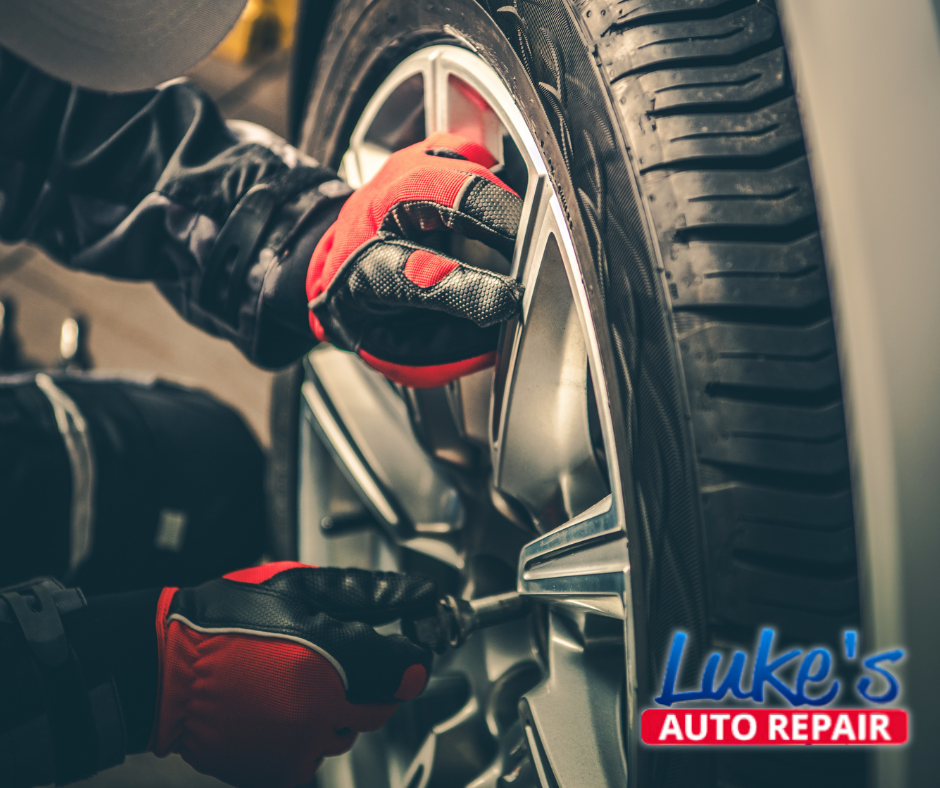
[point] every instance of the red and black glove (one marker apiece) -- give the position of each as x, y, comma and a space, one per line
417, 316
268, 670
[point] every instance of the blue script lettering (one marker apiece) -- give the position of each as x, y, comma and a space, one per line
669, 694
806, 674
764, 672
872, 664
732, 680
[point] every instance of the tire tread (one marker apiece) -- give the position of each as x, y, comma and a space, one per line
706, 101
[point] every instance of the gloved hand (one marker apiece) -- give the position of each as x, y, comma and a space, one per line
419, 317
268, 670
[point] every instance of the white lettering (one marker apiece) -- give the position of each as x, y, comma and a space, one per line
800, 724
821, 723
702, 727
862, 719
720, 719
843, 728
778, 725
879, 723
671, 728
736, 727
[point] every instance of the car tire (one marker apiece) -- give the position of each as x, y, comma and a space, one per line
673, 137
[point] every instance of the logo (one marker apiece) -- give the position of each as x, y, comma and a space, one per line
803, 718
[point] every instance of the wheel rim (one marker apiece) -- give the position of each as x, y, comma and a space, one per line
549, 433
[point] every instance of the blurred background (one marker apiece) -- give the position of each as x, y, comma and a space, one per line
130, 328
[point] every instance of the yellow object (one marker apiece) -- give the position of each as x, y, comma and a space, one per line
264, 27
286, 11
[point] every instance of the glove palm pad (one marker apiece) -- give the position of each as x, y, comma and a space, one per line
416, 315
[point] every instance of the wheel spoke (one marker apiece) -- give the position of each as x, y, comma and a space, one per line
454, 752
586, 557
463, 111
544, 453
365, 427
583, 692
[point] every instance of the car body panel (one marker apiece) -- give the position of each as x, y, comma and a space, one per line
868, 83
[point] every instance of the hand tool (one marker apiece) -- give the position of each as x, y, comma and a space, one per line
455, 619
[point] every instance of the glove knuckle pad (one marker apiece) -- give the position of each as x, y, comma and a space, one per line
493, 206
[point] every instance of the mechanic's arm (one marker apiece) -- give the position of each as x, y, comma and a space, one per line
144, 185
246, 237
253, 679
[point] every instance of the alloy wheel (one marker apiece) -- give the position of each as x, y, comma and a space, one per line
553, 704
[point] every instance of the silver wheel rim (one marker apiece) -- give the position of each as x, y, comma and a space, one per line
542, 442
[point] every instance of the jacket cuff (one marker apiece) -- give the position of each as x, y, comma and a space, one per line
60, 707
283, 328
118, 629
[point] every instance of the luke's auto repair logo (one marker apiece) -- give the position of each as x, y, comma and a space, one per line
805, 721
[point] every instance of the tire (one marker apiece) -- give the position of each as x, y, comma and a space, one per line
674, 140
714, 129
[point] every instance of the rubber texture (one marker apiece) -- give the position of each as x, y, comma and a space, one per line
674, 141
704, 94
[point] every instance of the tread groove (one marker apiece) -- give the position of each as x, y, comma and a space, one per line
730, 162
781, 195
782, 233
707, 135
717, 37
792, 481
762, 316
780, 437
717, 107
775, 356
704, 62
817, 570
710, 9
795, 399
845, 526
725, 83
800, 274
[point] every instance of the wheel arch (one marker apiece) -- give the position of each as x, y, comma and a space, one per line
878, 201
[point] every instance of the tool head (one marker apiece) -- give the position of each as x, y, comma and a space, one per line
456, 619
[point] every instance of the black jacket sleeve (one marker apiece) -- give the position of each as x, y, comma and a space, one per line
156, 186
78, 681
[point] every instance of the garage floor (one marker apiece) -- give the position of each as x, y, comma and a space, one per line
132, 328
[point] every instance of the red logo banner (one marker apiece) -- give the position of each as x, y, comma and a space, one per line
718, 726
